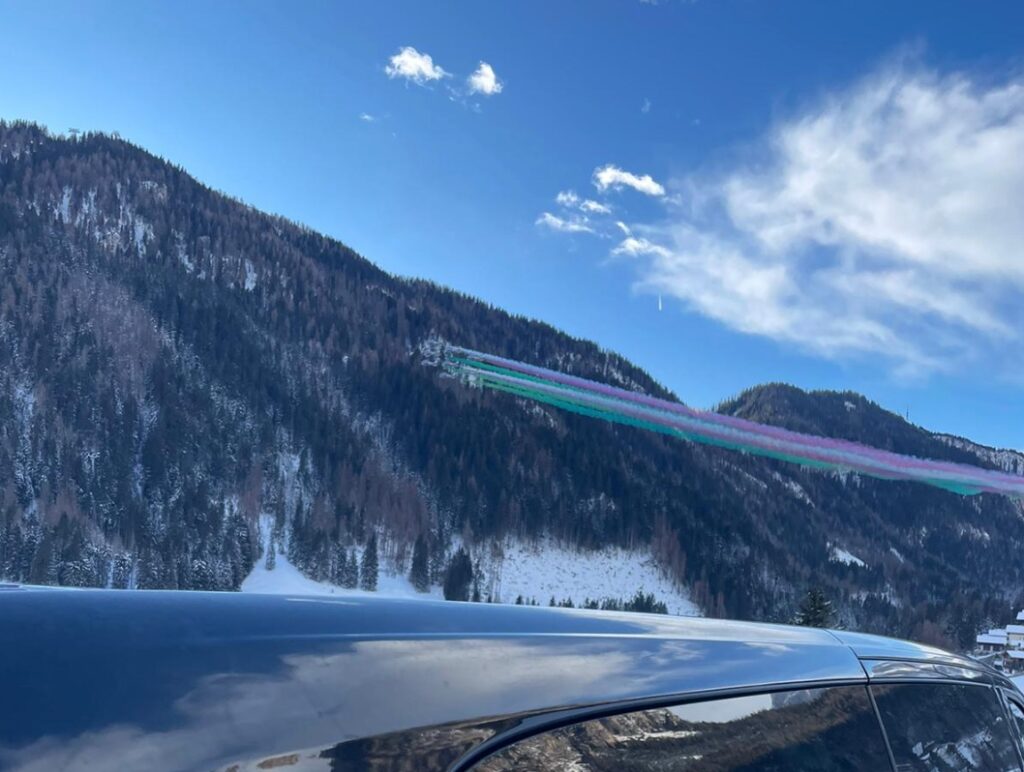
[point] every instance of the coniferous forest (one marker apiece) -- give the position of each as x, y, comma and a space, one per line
175, 366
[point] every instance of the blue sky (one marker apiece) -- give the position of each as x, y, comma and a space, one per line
827, 194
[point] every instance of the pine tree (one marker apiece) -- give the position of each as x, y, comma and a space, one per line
645, 603
339, 560
350, 578
438, 563
271, 556
459, 576
419, 573
815, 610
370, 567
121, 573
964, 623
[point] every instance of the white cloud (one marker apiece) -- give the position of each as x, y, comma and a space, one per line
885, 220
646, 106
570, 200
367, 117
556, 223
484, 81
612, 177
626, 231
639, 246
412, 65
595, 207
717, 279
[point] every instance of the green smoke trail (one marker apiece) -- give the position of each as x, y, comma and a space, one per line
581, 401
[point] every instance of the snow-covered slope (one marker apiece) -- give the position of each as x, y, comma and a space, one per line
286, 579
839, 555
544, 569
1011, 461
537, 571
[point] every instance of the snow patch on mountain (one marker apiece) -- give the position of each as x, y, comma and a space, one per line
142, 234
64, 208
286, 579
839, 555
534, 570
182, 252
250, 276
975, 534
545, 569
793, 487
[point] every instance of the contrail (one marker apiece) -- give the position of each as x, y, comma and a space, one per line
609, 403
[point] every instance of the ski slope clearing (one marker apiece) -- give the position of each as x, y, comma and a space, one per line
537, 571
544, 569
286, 579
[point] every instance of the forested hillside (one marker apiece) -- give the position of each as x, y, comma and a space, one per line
175, 364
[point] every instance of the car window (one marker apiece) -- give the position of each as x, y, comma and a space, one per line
946, 728
823, 730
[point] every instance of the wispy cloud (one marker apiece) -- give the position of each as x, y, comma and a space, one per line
612, 177
414, 66
567, 198
367, 118
484, 81
563, 225
571, 200
594, 207
634, 247
882, 221
646, 106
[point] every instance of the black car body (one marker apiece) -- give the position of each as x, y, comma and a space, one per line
103, 680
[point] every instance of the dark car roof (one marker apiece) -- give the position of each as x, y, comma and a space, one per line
229, 674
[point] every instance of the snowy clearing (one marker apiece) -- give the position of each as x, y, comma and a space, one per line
286, 579
536, 571
544, 569
839, 555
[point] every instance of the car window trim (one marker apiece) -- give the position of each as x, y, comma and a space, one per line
1007, 697
895, 670
885, 731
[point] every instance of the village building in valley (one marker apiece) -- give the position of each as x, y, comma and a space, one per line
1004, 646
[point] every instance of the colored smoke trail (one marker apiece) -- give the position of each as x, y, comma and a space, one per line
609, 403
